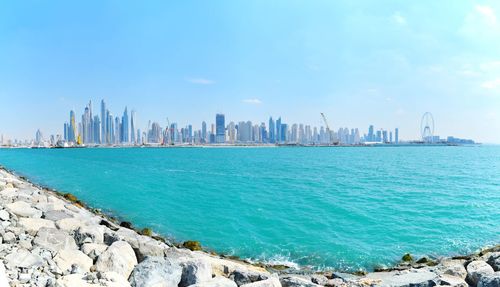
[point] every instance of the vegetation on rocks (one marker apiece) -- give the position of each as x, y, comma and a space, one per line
192, 245
407, 258
147, 231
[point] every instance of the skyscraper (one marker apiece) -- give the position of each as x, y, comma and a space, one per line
396, 135
72, 127
278, 130
272, 131
204, 132
124, 127
220, 128
132, 127
104, 122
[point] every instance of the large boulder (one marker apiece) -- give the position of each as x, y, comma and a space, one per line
494, 260
195, 271
22, 258
242, 276
23, 209
295, 281
452, 267
68, 259
452, 281
490, 280
476, 270
144, 246
89, 234
54, 239
217, 281
70, 224
56, 215
32, 225
273, 281
93, 250
4, 215
157, 272
112, 279
119, 258
414, 277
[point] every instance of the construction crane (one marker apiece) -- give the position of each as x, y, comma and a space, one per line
328, 130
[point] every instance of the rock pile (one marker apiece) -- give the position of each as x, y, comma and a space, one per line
50, 240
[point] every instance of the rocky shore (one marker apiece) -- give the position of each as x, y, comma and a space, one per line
48, 239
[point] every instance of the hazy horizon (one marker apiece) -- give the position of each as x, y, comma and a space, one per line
383, 63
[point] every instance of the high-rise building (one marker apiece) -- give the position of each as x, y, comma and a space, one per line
104, 122
220, 128
272, 130
132, 128
124, 127
278, 130
204, 138
72, 127
396, 135
371, 135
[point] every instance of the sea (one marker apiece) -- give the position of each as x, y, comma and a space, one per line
341, 208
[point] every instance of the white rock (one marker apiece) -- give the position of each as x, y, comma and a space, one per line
119, 258
113, 279
217, 281
65, 259
70, 224
3, 276
477, 269
195, 271
22, 258
32, 225
54, 239
74, 280
93, 250
4, 215
452, 280
271, 282
295, 281
23, 209
9, 237
453, 268
490, 280
89, 234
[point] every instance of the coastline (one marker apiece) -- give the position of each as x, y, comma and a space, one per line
97, 243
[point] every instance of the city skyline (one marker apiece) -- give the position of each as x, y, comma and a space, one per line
109, 130
358, 62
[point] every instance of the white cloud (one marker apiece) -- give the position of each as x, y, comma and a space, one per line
493, 84
488, 13
200, 81
252, 101
398, 18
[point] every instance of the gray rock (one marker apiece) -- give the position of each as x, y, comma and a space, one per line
242, 277
22, 258
337, 282
54, 239
89, 234
156, 271
491, 280
217, 281
476, 270
56, 215
23, 209
119, 258
295, 281
195, 271
494, 260
143, 246
319, 279
4, 215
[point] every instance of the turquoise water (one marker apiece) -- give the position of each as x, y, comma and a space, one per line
344, 208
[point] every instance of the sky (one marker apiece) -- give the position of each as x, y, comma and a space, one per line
384, 63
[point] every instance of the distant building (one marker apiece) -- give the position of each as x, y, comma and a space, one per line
220, 128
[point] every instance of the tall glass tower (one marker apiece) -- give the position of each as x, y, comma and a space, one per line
220, 128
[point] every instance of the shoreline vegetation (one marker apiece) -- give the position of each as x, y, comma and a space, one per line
49, 238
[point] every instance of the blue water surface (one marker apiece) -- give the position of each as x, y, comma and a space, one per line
338, 207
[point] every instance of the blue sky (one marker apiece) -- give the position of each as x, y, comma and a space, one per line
360, 62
